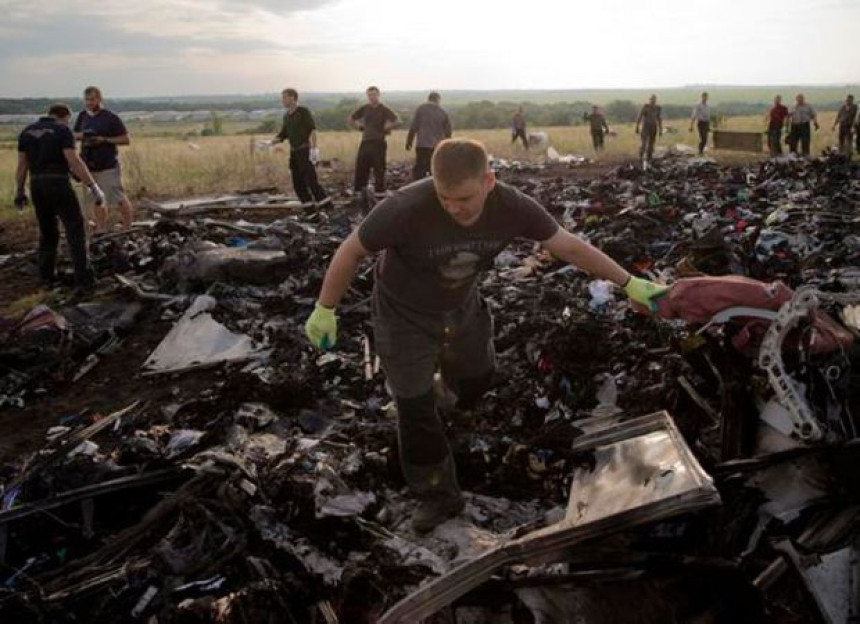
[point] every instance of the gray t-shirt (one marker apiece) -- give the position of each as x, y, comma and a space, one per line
431, 125
431, 263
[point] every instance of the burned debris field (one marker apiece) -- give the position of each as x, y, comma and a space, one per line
172, 450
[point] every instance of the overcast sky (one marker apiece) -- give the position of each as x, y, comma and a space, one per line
186, 47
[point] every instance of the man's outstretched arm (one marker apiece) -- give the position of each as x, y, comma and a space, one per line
577, 252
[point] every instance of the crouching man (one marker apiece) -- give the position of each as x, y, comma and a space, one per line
46, 150
435, 238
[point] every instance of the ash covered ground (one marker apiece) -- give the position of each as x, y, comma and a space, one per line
173, 450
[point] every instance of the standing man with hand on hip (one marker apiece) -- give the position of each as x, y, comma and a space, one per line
845, 119
776, 119
100, 132
649, 125
599, 128
431, 125
46, 151
702, 118
802, 117
300, 130
375, 121
436, 237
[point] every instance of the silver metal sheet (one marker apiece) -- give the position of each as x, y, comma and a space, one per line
643, 472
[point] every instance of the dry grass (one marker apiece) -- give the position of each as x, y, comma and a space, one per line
162, 167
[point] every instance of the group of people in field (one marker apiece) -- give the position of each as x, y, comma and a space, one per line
47, 153
797, 123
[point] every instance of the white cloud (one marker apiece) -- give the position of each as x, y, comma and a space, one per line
164, 47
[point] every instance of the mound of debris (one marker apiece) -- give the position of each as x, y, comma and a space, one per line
697, 465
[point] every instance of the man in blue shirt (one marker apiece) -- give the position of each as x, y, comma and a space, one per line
100, 132
46, 151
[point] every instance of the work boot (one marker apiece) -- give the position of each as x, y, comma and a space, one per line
437, 489
434, 510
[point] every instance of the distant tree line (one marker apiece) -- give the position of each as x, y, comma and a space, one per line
332, 114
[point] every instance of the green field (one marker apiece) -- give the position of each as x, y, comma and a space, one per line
171, 162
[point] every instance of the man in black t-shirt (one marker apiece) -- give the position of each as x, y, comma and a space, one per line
46, 151
300, 130
100, 131
599, 127
435, 238
649, 125
376, 121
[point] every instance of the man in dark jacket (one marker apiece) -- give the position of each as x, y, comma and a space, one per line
430, 125
300, 130
46, 151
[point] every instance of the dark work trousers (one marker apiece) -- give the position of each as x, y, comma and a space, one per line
371, 155
411, 345
520, 134
304, 175
54, 198
597, 140
845, 140
704, 128
857, 138
774, 140
423, 157
800, 134
648, 136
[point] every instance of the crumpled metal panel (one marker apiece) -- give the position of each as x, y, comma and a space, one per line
643, 471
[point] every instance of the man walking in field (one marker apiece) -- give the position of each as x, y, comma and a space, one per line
375, 121
518, 128
845, 120
300, 130
430, 125
599, 128
46, 151
802, 117
702, 118
436, 237
100, 132
776, 119
649, 124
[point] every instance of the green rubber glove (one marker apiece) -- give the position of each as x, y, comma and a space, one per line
321, 328
644, 292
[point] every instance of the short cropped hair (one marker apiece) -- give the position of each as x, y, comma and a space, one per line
93, 91
372, 88
291, 92
434, 97
457, 160
60, 111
